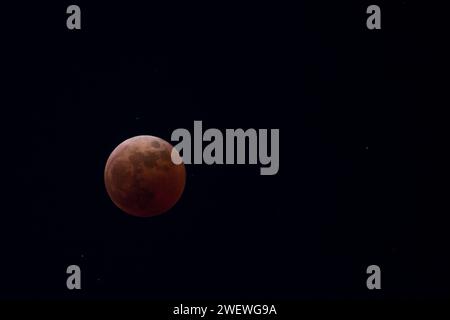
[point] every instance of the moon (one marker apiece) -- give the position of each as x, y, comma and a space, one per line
141, 178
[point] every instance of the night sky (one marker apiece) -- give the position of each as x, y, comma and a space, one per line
357, 184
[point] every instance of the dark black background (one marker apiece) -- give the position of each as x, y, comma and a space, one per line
358, 182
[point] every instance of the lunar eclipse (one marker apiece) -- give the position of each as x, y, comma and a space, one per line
141, 178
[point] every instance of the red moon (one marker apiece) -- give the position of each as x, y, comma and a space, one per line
141, 178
